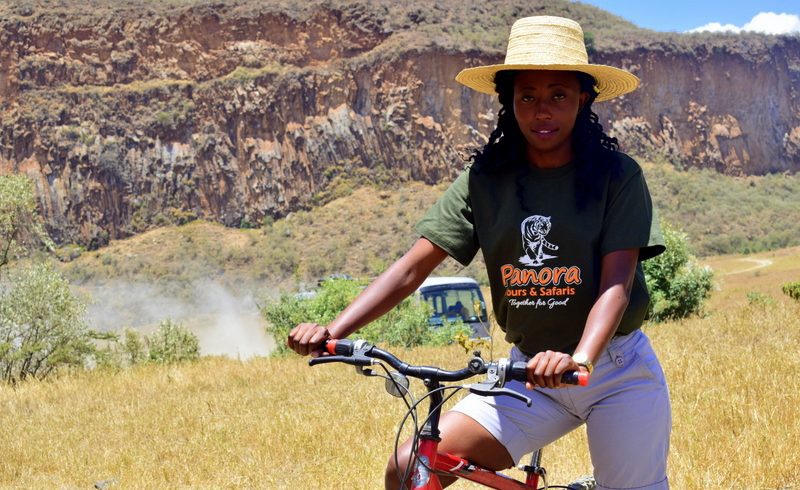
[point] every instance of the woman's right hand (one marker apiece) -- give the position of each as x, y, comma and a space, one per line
545, 369
308, 338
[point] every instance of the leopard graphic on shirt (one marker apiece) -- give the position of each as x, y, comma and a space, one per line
534, 229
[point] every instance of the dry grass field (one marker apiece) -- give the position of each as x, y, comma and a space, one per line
276, 423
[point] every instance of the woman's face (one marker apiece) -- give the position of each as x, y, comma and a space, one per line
546, 104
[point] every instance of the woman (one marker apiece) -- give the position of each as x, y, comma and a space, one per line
563, 221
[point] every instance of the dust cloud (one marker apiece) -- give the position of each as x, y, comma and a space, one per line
226, 321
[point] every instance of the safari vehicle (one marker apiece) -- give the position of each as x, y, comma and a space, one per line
453, 299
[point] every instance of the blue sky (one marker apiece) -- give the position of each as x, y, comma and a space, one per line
685, 15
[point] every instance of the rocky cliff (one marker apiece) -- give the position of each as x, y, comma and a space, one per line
240, 111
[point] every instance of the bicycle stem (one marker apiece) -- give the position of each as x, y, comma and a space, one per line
430, 430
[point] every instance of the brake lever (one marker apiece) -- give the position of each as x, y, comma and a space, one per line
489, 389
366, 371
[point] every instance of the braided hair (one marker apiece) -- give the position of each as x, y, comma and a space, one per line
593, 150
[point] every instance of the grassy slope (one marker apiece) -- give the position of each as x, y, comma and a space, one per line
728, 214
363, 232
211, 278
262, 423
360, 234
738, 275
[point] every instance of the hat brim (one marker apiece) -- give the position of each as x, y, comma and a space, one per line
610, 81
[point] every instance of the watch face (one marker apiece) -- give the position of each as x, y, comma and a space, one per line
583, 360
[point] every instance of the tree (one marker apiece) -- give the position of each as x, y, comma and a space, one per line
21, 227
41, 325
41, 321
678, 286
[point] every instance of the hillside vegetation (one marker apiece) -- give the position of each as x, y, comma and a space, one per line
366, 229
449, 22
360, 234
276, 423
724, 215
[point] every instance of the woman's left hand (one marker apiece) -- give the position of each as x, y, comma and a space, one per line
545, 369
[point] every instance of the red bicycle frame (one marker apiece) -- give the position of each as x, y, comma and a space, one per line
442, 463
429, 463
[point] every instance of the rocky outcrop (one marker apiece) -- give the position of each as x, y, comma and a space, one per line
234, 115
729, 110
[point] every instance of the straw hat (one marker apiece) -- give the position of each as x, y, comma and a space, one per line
550, 43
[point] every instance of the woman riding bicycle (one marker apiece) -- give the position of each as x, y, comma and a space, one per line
563, 220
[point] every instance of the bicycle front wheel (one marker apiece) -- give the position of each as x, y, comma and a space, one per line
583, 483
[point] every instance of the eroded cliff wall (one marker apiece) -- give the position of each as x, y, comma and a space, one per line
234, 114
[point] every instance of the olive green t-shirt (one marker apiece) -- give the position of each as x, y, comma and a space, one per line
543, 263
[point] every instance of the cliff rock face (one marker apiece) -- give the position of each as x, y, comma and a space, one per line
129, 121
719, 109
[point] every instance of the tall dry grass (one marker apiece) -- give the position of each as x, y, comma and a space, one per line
275, 423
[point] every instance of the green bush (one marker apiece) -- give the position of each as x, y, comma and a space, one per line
133, 347
760, 300
171, 343
405, 325
41, 325
792, 289
678, 286
291, 309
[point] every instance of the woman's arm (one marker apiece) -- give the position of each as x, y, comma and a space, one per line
390, 288
616, 278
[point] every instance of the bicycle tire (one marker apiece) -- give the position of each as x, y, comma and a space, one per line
583, 483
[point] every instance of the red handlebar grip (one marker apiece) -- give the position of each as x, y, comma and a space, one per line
330, 346
339, 347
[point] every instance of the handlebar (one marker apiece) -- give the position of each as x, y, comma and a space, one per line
362, 353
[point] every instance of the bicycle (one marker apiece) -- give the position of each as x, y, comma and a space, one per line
428, 462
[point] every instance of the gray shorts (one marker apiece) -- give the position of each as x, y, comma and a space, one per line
625, 408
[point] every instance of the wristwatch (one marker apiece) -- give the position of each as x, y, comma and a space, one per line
582, 359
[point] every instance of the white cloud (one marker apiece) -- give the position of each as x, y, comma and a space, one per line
765, 22
772, 23
717, 27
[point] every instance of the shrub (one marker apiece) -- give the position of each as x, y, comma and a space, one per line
172, 343
760, 300
69, 252
133, 347
322, 307
792, 289
405, 325
41, 325
678, 286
